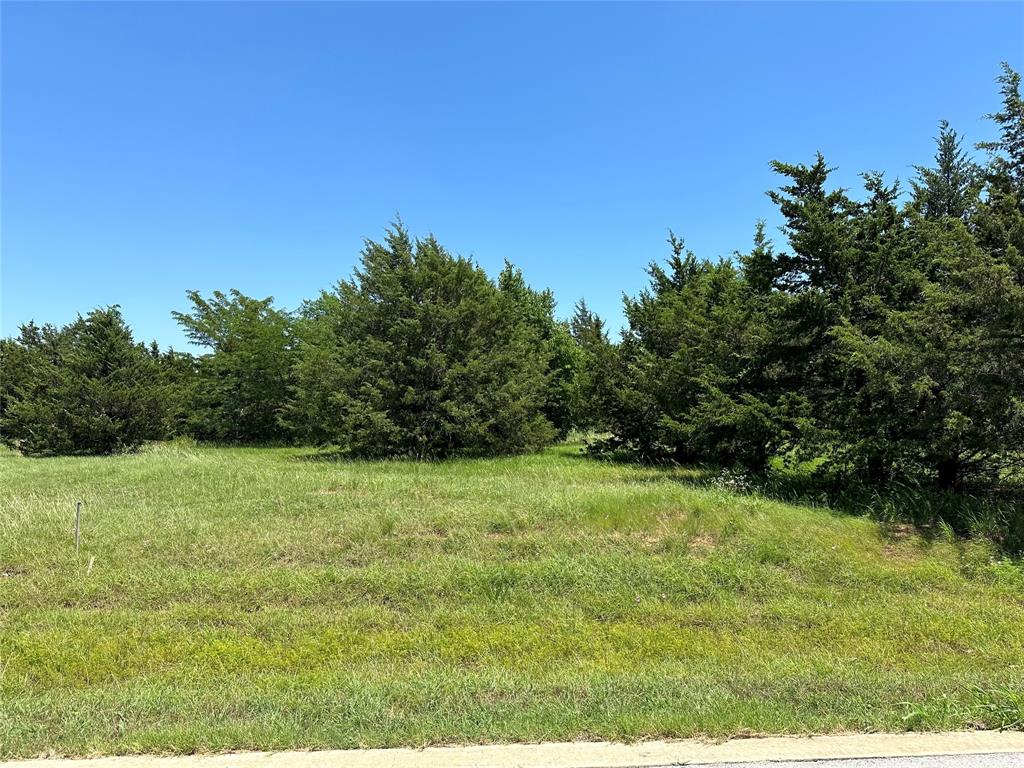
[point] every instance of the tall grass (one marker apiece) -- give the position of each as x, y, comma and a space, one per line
271, 598
996, 515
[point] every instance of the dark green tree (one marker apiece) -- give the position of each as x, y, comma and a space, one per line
938, 382
595, 369
420, 355
818, 227
87, 388
951, 187
537, 309
760, 266
1007, 152
998, 223
690, 384
809, 281
863, 419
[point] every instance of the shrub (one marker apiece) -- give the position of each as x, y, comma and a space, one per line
420, 355
87, 388
240, 387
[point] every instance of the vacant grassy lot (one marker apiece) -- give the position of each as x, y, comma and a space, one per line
242, 598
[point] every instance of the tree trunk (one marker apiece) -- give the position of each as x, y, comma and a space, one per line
949, 470
878, 470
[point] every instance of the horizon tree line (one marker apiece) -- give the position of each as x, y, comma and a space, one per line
884, 338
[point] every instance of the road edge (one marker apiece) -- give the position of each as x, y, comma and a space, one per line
583, 754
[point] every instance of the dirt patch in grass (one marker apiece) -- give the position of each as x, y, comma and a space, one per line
701, 544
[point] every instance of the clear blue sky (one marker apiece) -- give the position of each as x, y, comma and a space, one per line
152, 148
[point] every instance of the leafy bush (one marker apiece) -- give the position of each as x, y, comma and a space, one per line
240, 388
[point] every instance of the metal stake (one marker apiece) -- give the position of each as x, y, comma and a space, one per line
78, 525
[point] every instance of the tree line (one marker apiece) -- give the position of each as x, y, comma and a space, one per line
883, 338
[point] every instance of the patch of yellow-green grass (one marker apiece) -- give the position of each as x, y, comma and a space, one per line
269, 598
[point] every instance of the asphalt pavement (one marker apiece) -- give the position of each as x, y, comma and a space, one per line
1007, 760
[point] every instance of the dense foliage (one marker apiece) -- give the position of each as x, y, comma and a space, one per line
886, 338
883, 339
537, 310
85, 388
420, 354
241, 388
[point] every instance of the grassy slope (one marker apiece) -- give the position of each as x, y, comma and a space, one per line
247, 598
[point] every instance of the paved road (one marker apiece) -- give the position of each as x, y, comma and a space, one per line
966, 749
1015, 760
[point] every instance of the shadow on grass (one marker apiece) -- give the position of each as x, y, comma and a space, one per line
334, 456
995, 514
324, 456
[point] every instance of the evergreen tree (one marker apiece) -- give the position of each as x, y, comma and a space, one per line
420, 355
182, 381
818, 228
595, 369
690, 385
809, 281
85, 389
537, 309
1007, 152
936, 383
862, 418
586, 327
760, 266
951, 187
998, 223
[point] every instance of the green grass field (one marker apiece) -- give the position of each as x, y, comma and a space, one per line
267, 598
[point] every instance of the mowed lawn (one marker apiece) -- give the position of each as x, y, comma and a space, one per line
267, 598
